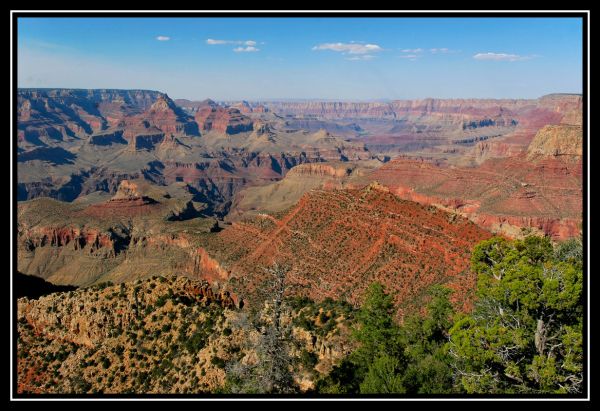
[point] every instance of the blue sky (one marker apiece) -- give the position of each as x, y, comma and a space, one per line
322, 58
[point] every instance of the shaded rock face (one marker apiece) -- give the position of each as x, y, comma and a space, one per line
35, 287
211, 116
48, 116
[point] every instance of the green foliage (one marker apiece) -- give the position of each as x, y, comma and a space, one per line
384, 377
308, 359
570, 250
342, 379
428, 368
162, 300
217, 362
103, 285
379, 348
524, 335
376, 332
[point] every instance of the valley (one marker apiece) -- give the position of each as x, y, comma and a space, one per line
128, 199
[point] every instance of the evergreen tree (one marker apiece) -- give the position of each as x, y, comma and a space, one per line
428, 370
384, 377
525, 334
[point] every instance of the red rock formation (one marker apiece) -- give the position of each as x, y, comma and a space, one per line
457, 108
502, 194
62, 236
247, 108
45, 116
165, 116
211, 116
340, 241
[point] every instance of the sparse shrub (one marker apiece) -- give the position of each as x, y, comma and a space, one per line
217, 362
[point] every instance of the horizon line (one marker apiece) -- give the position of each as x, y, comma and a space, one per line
285, 99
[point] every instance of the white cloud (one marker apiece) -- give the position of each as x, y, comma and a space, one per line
250, 44
240, 42
361, 57
412, 50
247, 49
349, 48
213, 42
442, 50
501, 57
163, 38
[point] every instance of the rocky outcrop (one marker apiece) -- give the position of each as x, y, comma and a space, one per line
212, 116
502, 194
247, 108
164, 115
88, 241
48, 116
564, 141
321, 170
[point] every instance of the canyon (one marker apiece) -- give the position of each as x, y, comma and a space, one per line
146, 225
120, 184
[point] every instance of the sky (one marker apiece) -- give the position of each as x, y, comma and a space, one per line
331, 58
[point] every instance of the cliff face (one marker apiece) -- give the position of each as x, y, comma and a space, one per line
460, 107
134, 234
564, 141
503, 194
466, 131
211, 116
46, 116
50, 117
145, 134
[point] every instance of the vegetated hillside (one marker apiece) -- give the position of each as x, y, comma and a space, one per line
160, 335
338, 242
